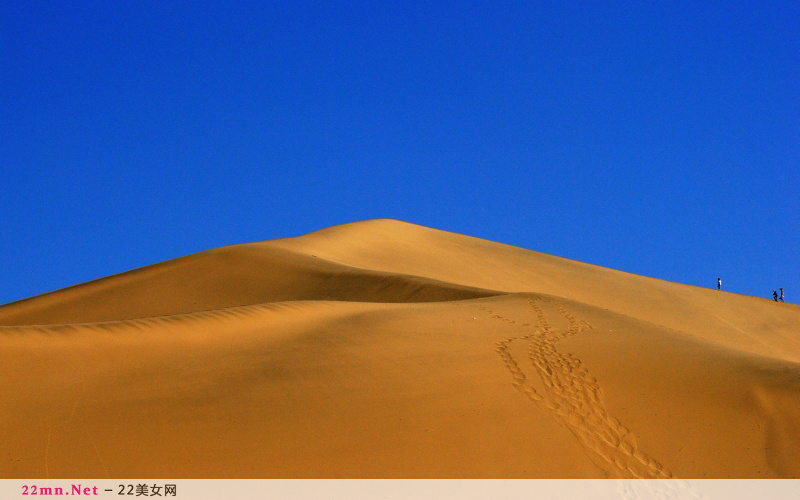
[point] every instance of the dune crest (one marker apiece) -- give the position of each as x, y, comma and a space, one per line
227, 277
385, 349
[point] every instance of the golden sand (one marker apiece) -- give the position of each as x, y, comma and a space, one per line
384, 349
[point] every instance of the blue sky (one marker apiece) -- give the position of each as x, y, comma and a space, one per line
660, 139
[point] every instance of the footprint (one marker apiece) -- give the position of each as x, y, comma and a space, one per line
573, 397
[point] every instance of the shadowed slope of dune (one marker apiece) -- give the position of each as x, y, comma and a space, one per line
226, 277
379, 349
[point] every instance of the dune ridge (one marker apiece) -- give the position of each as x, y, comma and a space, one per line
385, 349
395, 246
228, 277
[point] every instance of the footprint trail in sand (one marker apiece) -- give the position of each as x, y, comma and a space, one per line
571, 396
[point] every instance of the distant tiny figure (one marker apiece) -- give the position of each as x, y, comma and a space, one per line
781, 294
775, 296
719, 283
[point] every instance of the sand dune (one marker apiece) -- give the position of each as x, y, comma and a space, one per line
384, 349
227, 277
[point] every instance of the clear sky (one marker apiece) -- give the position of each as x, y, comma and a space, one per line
657, 138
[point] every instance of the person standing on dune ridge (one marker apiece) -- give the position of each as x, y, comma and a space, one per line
781, 294
775, 296
719, 283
